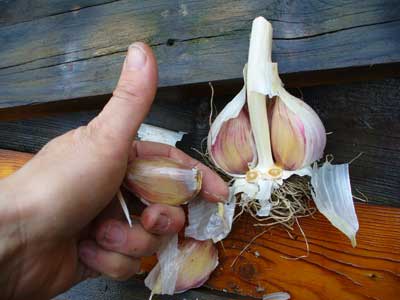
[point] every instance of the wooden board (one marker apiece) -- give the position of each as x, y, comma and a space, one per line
363, 118
79, 53
18, 11
331, 270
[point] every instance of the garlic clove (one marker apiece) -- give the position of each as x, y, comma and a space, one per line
198, 259
243, 151
298, 136
162, 180
288, 140
184, 268
314, 129
233, 149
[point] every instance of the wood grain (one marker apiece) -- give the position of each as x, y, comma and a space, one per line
79, 53
18, 11
331, 270
362, 118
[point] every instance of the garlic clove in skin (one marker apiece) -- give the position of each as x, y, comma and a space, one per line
162, 180
234, 149
287, 136
195, 262
198, 260
297, 138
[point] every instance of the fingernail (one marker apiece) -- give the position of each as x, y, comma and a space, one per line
136, 58
87, 252
162, 223
114, 235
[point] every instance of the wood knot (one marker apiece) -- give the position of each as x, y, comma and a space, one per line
170, 42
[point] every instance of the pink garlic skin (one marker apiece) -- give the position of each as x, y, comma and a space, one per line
234, 146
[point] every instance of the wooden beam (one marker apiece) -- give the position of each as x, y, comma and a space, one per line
331, 270
18, 11
79, 53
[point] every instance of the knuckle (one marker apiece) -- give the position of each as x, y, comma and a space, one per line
102, 140
123, 271
129, 91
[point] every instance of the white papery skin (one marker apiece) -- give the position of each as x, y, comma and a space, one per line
333, 198
294, 133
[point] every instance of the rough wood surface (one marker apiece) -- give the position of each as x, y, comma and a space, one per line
331, 270
363, 118
18, 11
79, 53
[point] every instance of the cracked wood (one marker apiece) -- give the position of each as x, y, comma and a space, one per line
331, 270
76, 51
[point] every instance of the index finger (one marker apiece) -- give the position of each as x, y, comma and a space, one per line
213, 187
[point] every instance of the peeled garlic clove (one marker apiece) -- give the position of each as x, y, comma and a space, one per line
162, 180
298, 136
233, 149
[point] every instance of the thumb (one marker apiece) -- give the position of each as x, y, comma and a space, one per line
132, 98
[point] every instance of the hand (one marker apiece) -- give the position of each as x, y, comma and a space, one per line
58, 223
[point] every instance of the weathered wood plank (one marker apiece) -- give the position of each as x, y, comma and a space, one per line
331, 270
79, 53
17, 11
363, 117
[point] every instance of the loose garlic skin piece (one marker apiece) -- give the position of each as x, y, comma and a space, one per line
162, 180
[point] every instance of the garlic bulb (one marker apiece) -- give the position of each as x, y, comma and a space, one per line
162, 180
286, 137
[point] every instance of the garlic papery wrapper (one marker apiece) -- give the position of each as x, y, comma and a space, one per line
193, 262
332, 195
162, 180
210, 221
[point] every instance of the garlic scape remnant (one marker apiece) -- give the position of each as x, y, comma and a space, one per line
265, 135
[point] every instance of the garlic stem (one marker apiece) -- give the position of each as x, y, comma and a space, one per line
259, 58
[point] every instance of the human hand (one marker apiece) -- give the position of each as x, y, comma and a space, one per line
58, 223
